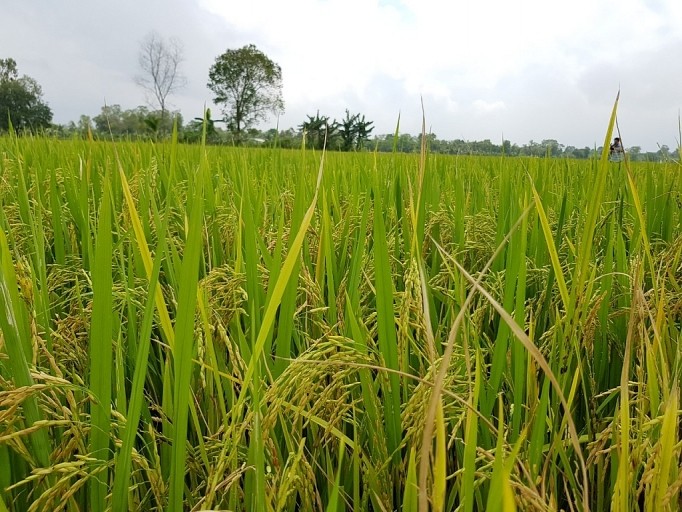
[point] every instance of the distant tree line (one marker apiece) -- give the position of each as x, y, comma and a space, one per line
352, 133
407, 143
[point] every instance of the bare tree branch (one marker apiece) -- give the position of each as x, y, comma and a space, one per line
160, 61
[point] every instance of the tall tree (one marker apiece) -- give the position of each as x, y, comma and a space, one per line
363, 129
248, 85
21, 100
348, 131
160, 61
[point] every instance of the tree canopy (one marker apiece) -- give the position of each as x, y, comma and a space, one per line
21, 100
354, 131
248, 85
317, 129
113, 121
349, 134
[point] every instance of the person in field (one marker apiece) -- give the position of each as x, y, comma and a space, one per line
616, 149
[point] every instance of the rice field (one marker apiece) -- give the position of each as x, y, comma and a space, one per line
210, 328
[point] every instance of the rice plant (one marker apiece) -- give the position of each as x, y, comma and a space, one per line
212, 328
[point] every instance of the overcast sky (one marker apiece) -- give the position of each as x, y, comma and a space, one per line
522, 69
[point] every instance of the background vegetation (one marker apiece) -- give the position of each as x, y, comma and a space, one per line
247, 86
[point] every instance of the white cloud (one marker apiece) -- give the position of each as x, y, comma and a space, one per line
450, 52
485, 107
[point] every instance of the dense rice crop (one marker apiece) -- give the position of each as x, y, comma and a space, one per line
193, 328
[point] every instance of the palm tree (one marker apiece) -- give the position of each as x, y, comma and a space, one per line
317, 128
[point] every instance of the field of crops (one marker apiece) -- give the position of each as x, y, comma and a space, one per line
204, 328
